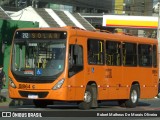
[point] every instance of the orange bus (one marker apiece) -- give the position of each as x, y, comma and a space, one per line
75, 65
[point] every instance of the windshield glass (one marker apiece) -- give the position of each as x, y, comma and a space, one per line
38, 57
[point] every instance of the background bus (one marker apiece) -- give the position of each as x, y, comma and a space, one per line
75, 65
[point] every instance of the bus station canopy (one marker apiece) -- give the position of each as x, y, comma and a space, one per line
122, 21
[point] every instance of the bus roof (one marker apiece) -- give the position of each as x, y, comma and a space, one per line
96, 34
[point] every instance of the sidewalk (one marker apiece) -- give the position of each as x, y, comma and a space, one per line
4, 93
10, 102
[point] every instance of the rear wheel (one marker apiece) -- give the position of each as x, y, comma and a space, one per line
134, 97
88, 98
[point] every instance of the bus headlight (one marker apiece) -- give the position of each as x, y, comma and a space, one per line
59, 84
11, 83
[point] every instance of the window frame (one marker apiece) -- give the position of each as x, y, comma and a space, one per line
120, 52
74, 68
145, 58
102, 53
135, 54
154, 56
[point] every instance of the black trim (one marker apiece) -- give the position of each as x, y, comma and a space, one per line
40, 94
35, 79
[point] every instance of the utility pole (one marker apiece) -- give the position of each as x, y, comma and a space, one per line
158, 38
158, 29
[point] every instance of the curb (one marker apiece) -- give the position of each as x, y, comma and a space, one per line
15, 102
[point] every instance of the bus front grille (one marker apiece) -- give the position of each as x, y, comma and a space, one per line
39, 94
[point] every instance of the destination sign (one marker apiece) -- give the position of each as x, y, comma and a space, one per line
40, 35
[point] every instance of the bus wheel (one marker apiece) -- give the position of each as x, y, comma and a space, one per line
134, 97
40, 103
88, 98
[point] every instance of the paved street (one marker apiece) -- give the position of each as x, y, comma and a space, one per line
144, 104
61, 108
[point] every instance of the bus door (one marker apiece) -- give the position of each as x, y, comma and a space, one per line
76, 72
129, 60
113, 71
96, 66
148, 63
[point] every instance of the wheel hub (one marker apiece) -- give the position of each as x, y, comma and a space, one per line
134, 96
87, 97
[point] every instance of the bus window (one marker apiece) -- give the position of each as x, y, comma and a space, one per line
75, 59
95, 51
145, 55
154, 56
129, 54
113, 53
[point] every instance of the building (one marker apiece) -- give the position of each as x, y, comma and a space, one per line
139, 7
91, 10
119, 7
82, 6
52, 18
135, 8
95, 8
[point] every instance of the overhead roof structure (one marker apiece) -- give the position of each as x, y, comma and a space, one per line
4, 15
122, 21
52, 18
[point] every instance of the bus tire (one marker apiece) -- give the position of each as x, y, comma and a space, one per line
88, 98
40, 103
134, 97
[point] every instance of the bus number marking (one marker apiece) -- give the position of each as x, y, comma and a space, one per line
24, 86
108, 73
25, 35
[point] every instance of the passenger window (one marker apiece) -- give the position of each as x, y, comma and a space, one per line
145, 55
129, 51
95, 51
154, 56
75, 59
113, 53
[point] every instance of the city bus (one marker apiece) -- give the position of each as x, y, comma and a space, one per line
70, 64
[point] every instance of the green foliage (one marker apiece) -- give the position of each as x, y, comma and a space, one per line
7, 32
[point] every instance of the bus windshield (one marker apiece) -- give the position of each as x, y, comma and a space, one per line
38, 57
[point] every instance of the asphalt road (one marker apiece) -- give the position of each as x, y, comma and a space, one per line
61, 111
143, 105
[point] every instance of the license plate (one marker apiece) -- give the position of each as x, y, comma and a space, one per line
32, 96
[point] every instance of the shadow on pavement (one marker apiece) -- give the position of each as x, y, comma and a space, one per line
59, 105
143, 104
21, 102
3, 99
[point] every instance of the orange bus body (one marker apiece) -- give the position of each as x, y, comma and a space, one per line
110, 82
